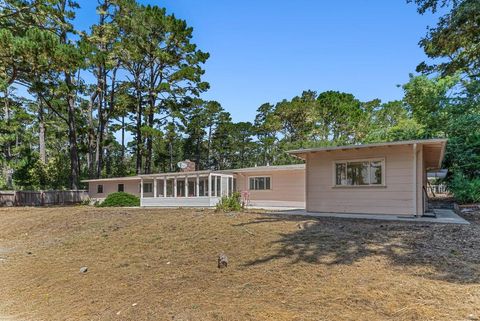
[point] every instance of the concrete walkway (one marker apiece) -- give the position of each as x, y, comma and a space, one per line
444, 216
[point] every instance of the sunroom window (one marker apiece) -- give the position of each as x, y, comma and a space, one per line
359, 173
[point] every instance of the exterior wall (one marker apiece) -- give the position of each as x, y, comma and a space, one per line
130, 186
396, 197
420, 177
286, 186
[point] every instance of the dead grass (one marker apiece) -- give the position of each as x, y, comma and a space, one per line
161, 265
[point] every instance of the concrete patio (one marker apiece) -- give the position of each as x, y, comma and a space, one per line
443, 216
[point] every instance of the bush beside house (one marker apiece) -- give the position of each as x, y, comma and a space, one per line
120, 199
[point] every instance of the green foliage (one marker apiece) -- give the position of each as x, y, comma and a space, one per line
454, 41
230, 203
465, 190
120, 199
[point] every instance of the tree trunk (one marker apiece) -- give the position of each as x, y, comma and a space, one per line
123, 139
91, 138
197, 154
138, 132
150, 119
209, 145
41, 133
72, 128
8, 150
101, 122
72, 135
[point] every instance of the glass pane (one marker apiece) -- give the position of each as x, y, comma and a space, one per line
192, 188
180, 188
224, 186
267, 182
202, 187
147, 187
357, 173
170, 188
376, 172
218, 186
261, 182
341, 174
252, 183
212, 185
160, 187
230, 186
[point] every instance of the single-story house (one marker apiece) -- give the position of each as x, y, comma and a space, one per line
262, 186
382, 178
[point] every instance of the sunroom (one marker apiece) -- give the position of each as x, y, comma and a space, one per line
185, 189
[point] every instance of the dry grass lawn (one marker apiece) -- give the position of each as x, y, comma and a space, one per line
161, 265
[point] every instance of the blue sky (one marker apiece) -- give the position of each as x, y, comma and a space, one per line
266, 50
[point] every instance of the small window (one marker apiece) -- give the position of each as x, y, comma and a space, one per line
259, 183
121, 188
100, 189
359, 173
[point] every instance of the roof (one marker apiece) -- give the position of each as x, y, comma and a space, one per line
125, 178
203, 172
269, 168
434, 149
176, 173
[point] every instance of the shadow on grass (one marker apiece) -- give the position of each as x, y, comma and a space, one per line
448, 252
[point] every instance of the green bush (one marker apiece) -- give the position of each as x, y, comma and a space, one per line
120, 199
230, 203
465, 190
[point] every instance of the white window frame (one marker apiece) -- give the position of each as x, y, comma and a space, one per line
260, 176
359, 160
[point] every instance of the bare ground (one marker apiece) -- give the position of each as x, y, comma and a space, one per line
161, 265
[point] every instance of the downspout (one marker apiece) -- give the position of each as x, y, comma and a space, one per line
415, 180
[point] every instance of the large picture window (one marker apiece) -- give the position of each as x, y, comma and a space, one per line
259, 183
368, 172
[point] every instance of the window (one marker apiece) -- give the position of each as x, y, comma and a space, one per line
147, 187
259, 183
359, 173
100, 189
120, 188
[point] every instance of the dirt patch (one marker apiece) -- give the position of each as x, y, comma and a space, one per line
162, 265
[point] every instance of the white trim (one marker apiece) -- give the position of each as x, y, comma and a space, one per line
415, 187
359, 160
165, 187
155, 187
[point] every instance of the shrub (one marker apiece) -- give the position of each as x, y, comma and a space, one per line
120, 199
465, 190
230, 203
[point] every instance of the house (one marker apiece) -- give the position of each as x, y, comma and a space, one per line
384, 178
262, 186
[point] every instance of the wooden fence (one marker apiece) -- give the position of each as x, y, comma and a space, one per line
42, 198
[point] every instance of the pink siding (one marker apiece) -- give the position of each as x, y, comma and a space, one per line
286, 185
396, 197
130, 186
